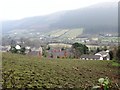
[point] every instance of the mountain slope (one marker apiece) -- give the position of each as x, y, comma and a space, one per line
93, 19
101, 17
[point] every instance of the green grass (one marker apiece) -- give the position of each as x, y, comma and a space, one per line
66, 33
21, 71
58, 32
73, 33
116, 64
113, 39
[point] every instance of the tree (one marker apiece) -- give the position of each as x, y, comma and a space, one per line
97, 50
62, 48
111, 55
22, 50
118, 54
85, 48
13, 49
78, 49
48, 48
44, 51
105, 48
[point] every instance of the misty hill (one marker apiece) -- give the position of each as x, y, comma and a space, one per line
99, 18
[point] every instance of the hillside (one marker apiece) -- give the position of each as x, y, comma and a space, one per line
100, 18
66, 33
21, 71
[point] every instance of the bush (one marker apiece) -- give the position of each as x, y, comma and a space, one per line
13, 50
22, 50
118, 54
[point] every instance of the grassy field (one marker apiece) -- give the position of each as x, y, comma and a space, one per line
66, 33
73, 33
31, 72
58, 33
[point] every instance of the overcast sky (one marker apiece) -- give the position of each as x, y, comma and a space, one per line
18, 9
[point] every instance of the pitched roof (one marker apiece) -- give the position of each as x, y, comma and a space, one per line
90, 56
102, 53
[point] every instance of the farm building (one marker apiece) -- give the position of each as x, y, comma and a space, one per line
103, 55
90, 57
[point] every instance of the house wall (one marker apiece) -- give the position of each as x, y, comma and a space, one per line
101, 58
108, 58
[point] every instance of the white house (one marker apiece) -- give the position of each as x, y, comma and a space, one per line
18, 47
104, 55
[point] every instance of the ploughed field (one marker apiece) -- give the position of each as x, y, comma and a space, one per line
20, 71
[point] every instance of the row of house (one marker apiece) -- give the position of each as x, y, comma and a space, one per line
28, 50
55, 53
58, 53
